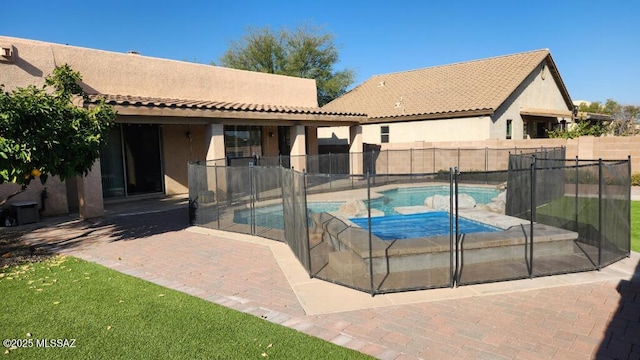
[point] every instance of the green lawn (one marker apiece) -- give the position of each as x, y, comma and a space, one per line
112, 315
635, 226
563, 208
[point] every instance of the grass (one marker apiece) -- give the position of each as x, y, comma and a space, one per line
112, 315
563, 208
635, 226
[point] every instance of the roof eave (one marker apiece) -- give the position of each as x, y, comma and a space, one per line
431, 116
203, 116
556, 75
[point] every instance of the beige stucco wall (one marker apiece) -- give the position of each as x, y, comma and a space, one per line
127, 74
460, 129
534, 92
180, 144
56, 202
333, 135
270, 141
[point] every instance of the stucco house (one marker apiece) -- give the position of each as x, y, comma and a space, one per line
172, 112
515, 96
169, 112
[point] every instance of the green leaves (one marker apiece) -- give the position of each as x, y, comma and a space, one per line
306, 52
43, 133
581, 128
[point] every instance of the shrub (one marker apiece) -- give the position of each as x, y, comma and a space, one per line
635, 179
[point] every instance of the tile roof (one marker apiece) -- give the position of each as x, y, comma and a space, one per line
127, 100
478, 86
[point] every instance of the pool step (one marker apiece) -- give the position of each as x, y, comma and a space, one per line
352, 252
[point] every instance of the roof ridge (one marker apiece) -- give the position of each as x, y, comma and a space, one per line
462, 62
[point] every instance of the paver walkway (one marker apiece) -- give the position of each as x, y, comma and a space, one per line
597, 318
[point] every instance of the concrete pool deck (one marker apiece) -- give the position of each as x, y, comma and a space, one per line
575, 316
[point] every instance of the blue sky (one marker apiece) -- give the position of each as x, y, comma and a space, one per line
595, 44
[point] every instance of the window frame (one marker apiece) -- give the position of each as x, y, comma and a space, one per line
384, 133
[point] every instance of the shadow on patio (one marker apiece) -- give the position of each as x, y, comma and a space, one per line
622, 337
122, 222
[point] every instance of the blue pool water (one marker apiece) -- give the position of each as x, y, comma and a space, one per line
392, 225
416, 195
418, 225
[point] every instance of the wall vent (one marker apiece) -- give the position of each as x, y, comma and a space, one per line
6, 53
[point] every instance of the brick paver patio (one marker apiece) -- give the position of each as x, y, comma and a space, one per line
600, 319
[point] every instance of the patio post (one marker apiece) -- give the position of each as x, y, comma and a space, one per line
90, 199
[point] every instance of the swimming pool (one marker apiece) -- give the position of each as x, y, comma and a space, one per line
272, 216
428, 224
416, 195
393, 224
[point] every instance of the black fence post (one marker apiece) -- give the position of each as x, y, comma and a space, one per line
486, 165
252, 198
459, 257
576, 193
217, 193
303, 197
600, 187
453, 268
386, 152
284, 192
628, 199
411, 165
434, 159
533, 214
373, 292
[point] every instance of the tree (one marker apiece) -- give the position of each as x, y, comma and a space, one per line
306, 52
625, 117
43, 133
581, 128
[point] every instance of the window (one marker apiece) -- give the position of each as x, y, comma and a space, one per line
384, 134
509, 121
242, 141
562, 125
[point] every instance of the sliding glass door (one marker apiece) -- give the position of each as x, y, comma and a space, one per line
131, 162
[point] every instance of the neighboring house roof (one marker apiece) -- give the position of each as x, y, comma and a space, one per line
463, 89
138, 105
593, 116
